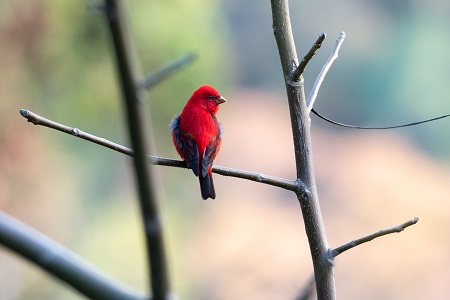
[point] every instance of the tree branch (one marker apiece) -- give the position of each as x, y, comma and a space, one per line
156, 160
334, 55
60, 262
133, 102
307, 191
335, 252
156, 77
301, 67
38, 120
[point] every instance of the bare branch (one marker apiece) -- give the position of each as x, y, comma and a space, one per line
301, 67
368, 238
156, 160
156, 77
60, 262
133, 101
38, 120
301, 133
286, 184
334, 55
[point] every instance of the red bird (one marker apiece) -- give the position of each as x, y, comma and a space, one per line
197, 135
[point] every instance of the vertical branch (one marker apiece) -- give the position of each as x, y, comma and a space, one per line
133, 103
306, 192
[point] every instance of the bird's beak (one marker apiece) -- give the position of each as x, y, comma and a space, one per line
220, 100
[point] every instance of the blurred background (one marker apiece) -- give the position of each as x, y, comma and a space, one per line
249, 243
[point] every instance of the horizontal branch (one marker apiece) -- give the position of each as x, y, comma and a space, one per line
156, 160
368, 238
60, 262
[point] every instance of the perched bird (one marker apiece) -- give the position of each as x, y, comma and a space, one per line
197, 135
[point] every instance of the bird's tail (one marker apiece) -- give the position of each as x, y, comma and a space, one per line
207, 187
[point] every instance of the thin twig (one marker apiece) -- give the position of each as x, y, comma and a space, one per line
38, 120
61, 262
334, 55
156, 160
156, 77
133, 101
301, 67
335, 252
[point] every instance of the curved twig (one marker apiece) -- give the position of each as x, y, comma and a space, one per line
334, 55
399, 228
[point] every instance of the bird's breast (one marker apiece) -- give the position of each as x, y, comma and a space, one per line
201, 126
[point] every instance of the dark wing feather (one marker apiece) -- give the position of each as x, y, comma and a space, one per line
211, 150
186, 146
208, 157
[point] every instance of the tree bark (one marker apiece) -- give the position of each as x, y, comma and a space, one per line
306, 191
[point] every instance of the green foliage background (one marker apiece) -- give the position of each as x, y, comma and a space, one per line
58, 63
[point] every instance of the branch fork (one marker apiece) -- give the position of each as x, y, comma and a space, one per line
296, 75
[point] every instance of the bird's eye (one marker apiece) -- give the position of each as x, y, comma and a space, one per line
211, 97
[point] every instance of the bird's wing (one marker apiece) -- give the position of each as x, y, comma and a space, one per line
211, 151
185, 145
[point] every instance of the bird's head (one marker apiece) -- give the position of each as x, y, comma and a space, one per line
208, 98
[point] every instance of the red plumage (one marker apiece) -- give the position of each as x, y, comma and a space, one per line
197, 135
